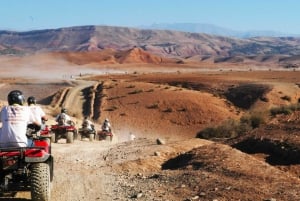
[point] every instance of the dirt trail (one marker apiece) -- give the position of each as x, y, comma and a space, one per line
73, 100
79, 171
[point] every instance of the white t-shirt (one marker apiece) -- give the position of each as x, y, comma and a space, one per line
88, 124
67, 118
14, 120
37, 113
106, 126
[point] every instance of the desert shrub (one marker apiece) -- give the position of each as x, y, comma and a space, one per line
150, 90
208, 133
287, 98
115, 97
280, 110
295, 107
182, 110
233, 128
253, 120
136, 91
264, 98
228, 129
131, 86
108, 86
288, 109
112, 108
153, 106
168, 110
245, 95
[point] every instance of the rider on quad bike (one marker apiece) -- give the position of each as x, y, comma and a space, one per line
15, 117
63, 118
38, 114
106, 132
65, 128
23, 165
87, 129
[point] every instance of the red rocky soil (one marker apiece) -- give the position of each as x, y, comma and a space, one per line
261, 165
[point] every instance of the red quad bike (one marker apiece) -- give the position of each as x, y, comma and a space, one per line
27, 168
105, 135
68, 132
87, 133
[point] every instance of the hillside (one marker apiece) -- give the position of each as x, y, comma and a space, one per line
162, 43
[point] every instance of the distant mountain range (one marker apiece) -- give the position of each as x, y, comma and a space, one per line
215, 30
163, 43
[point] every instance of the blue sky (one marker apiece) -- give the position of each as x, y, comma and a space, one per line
240, 15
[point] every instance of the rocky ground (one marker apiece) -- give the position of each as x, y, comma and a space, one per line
172, 107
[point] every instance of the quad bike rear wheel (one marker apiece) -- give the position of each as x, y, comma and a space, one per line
91, 137
53, 138
70, 137
40, 182
108, 138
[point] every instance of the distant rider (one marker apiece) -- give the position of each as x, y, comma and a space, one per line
63, 118
87, 124
106, 126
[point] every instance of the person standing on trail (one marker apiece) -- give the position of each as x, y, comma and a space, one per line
15, 117
63, 118
38, 114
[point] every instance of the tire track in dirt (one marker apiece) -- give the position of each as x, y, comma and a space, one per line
75, 99
88, 96
59, 98
92, 101
97, 101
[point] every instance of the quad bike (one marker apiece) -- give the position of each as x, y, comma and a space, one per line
87, 133
27, 168
68, 132
105, 135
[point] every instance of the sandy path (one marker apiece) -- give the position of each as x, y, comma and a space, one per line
74, 100
79, 171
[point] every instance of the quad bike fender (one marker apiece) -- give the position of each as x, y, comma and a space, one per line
105, 133
39, 152
63, 127
36, 155
42, 143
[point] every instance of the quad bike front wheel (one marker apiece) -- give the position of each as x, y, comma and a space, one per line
40, 182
